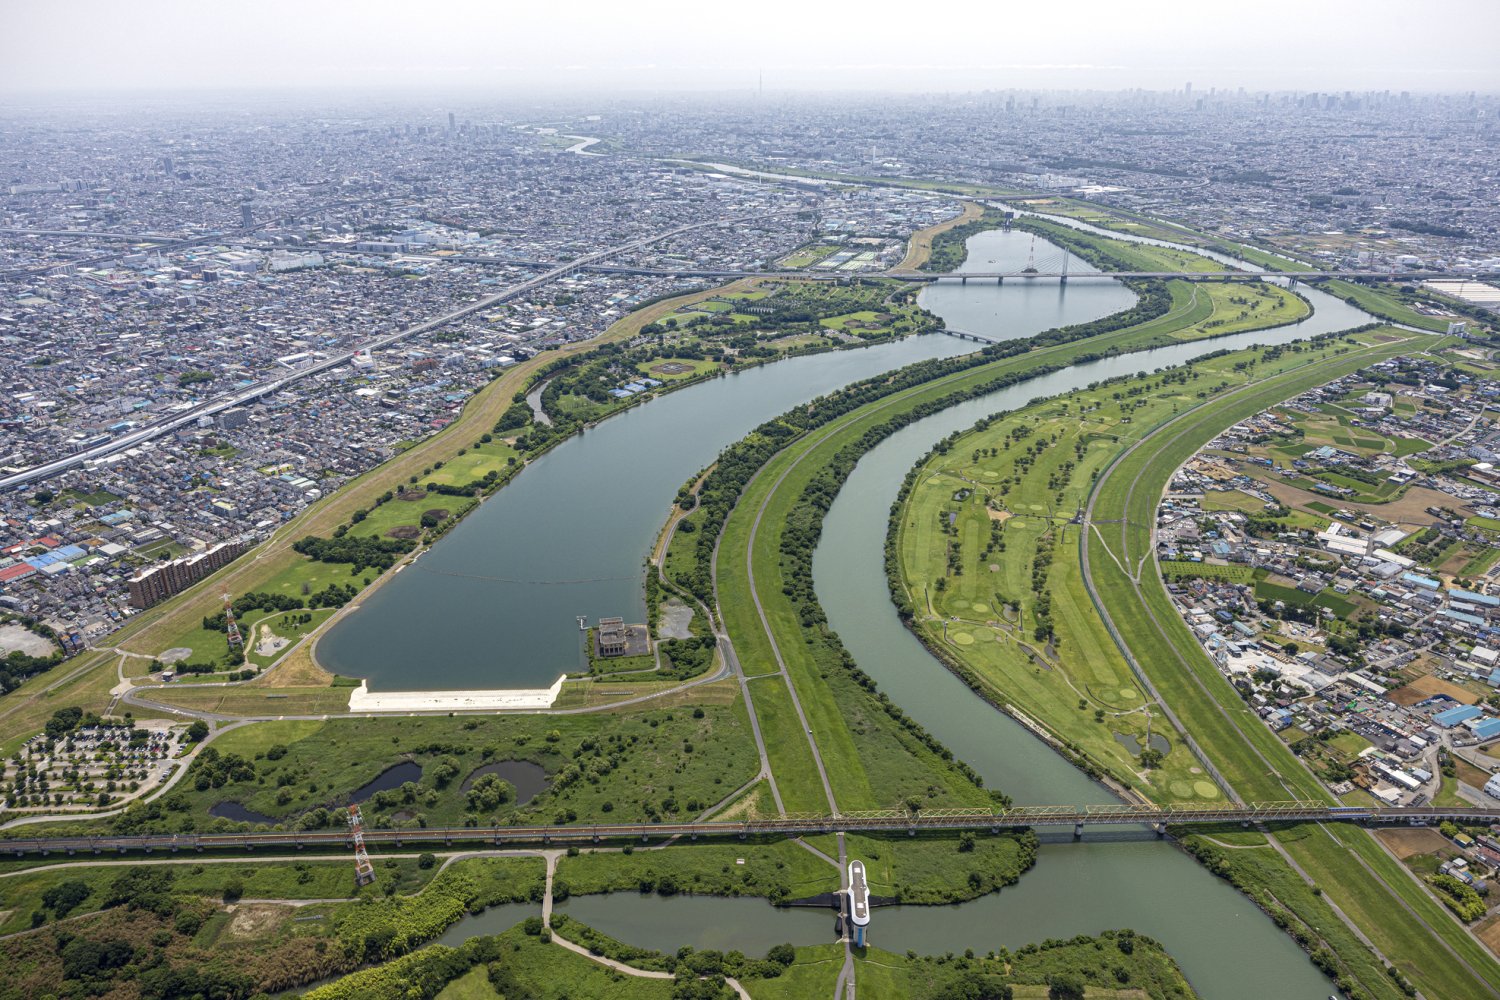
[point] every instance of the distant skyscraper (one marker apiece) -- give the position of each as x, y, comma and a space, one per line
1188, 90
245, 219
452, 125
166, 164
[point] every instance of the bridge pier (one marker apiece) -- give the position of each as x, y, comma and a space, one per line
1077, 831
964, 280
1160, 828
1000, 280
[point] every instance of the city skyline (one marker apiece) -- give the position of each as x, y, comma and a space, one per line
670, 46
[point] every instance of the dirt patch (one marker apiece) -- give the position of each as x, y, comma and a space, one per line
999, 515
671, 368
1408, 510
18, 638
404, 531
1469, 774
1426, 687
1414, 840
1489, 933
441, 513
269, 643
412, 495
296, 670
254, 919
674, 620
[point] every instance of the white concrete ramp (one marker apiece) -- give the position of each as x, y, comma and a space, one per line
362, 699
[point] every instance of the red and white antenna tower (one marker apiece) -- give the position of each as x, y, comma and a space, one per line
364, 871
231, 627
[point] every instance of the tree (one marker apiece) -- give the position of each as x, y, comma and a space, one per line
426, 861
63, 897
197, 731
1065, 986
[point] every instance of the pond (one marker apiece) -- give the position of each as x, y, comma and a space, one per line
1132, 743
391, 777
528, 779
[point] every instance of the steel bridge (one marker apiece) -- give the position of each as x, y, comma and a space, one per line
1159, 818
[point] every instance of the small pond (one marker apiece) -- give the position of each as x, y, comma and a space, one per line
391, 777
1131, 742
528, 779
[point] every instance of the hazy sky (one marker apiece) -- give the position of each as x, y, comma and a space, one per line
646, 45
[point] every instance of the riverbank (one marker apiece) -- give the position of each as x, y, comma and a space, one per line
919, 246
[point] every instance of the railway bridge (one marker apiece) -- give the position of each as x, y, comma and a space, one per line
1159, 818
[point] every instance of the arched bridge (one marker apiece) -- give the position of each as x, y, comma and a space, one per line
893, 821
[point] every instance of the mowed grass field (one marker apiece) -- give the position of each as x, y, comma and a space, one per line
1016, 484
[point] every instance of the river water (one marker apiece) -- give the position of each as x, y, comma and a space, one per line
591, 507
494, 603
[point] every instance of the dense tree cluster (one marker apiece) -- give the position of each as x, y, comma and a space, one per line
361, 551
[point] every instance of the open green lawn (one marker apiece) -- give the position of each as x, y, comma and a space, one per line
1239, 574
1383, 302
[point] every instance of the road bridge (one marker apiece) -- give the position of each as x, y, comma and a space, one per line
894, 821
964, 277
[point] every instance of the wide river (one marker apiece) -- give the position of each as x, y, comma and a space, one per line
569, 536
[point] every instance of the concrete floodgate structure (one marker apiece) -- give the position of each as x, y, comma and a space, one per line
859, 902
362, 699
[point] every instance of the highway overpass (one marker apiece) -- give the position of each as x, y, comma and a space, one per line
894, 821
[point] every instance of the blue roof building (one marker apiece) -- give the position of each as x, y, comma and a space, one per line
1473, 598
1487, 729
1456, 716
1420, 581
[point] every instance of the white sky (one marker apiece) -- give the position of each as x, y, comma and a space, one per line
653, 45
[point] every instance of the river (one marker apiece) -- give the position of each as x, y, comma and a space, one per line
550, 526
494, 603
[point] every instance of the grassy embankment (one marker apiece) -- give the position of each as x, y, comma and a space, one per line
919, 246
1348, 866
